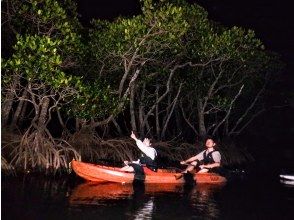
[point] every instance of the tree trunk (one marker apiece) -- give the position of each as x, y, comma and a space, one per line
19, 109
77, 124
132, 108
201, 120
157, 113
141, 120
43, 112
170, 112
60, 119
226, 130
23, 113
7, 105
178, 128
142, 112
8, 102
117, 126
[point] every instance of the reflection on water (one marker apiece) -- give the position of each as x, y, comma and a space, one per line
191, 200
202, 199
289, 183
90, 193
146, 211
35, 198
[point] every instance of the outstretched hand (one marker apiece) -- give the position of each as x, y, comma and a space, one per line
133, 136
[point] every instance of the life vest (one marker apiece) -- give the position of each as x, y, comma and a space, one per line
207, 158
151, 164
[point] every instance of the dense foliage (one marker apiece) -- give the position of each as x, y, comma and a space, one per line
168, 72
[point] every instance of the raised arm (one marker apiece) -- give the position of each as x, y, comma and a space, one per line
149, 151
133, 136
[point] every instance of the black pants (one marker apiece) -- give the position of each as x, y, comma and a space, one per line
139, 171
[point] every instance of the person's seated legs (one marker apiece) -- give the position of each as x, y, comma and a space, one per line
127, 167
204, 170
190, 167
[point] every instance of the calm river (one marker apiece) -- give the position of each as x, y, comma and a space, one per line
36, 198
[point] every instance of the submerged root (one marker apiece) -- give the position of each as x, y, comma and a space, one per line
119, 149
6, 167
37, 150
93, 148
175, 151
84, 141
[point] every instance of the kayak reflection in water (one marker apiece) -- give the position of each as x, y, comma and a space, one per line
208, 160
146, 211
148, 158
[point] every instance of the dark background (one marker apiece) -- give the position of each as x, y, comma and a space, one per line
269, 137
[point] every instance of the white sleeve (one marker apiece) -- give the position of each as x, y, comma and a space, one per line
149, 151
216, 157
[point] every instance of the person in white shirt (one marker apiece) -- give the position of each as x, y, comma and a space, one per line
148, 157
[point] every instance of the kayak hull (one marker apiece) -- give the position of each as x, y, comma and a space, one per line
99, 173
287, 177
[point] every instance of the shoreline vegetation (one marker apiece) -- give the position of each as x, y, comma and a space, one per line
49, 158
168, 73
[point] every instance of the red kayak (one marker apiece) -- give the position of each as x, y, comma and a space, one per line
99, 173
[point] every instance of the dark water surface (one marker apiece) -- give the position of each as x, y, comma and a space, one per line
38, 198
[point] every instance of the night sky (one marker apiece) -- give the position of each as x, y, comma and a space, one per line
273, 23
271, 20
